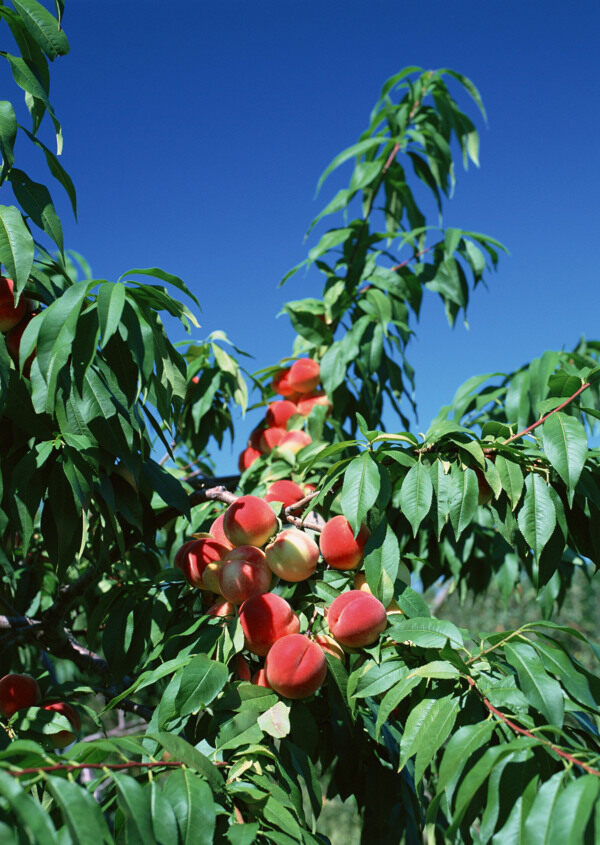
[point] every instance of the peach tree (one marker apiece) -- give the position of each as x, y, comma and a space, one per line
151, 685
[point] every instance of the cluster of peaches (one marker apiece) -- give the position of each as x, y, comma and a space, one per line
241, 557
18, 692
298, 385
14, 320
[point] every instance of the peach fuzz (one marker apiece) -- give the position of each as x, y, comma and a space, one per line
295, 440
247, 458
330, 646
10, 315
245, 576
308, 402
216, 531
197, 557
356, 618
264, 619
63, 738
284, 491
17, 692
304, 375
295, 666
278, 413
270, 438
249, 521
292, 555
339, 547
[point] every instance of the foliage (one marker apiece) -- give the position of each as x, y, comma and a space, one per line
440, 732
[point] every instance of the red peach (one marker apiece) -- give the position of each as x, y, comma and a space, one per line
254, 439
330, 646
249, 521
247, 458
281, 383
278, 413
260, 679
284, 491
195, 559
221, 608
63, 738
292, 555
181, 553
356, 619
304, 375
17, 692
10, 314
242, 670
270, 438
245, 576
264, 619
295, 440
216, 531
308, 402
295, 666
339, 547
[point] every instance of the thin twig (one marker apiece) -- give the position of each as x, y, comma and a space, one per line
549, 414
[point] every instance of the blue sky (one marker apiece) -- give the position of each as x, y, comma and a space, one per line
195, 133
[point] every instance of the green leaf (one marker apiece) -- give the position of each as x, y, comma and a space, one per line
572, 811
157, 273
243, 834
427, 632
465, 494
511, 478
135, 806
557, 661
328, 241
110, 302
537, 516
276, 720
538, 820
32, 818
43, 28
355, 150
427, 728
58, 171
381, 562
193, 805
181, 750
36, 202
392, 699
170, 490
164, 822
416, 494
463, 743
360, 489
543, 692
8, 134
16, 245
81, 812
442, 484
373, 679
566, 446
201, 681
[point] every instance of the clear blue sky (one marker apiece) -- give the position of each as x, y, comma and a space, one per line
195, 133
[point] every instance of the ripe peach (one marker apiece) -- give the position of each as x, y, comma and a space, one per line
330, 646
264, 619
247, 458
17, 692
260, 679
242, 670
295, 440
356, 619
308, 402
339, 547
221, 608
249, 521
295, 666
216, 531
281, 383
292, 555
63, 738
181, 553
244, 575
304, 375
278, 413
270, 438
284, 491
195, 559
10, 314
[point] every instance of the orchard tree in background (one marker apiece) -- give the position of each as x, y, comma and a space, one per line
225, 650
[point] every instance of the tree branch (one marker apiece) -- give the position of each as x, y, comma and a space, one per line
549, 414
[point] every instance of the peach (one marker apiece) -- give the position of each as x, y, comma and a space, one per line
181, 553
221, 608
17, 692
270, 438
356, 618
278, 413
216, 531
249, 521
281, 383
330, 646
295, 440
339, 547
197, 557
247, 458
292, 555
63, 738
308, 402
304, 375
260, 679
242, 670
245, 575
264, 619
284, 491
295, 666
10, 314
254, 439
